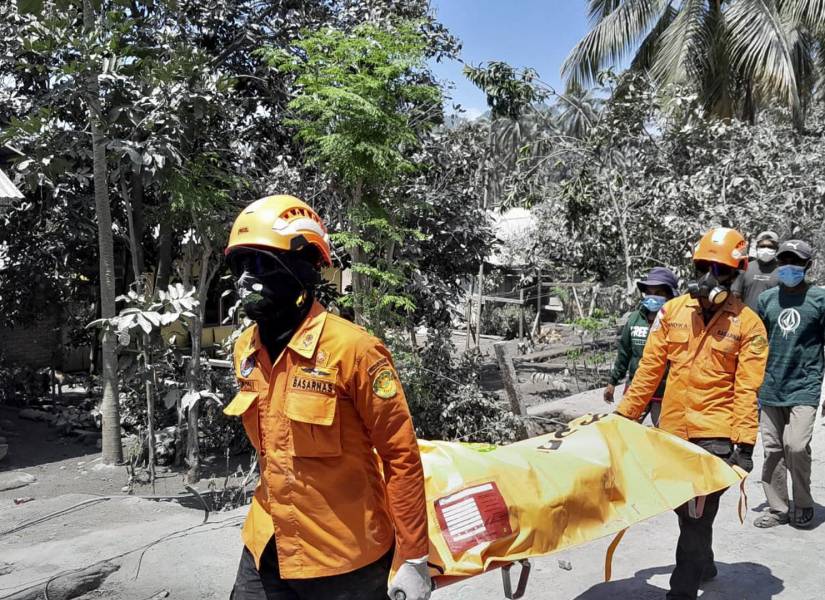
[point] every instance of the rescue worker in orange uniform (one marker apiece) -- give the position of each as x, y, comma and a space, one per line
717, 350
342, 487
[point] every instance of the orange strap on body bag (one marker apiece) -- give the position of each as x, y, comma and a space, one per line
698, 508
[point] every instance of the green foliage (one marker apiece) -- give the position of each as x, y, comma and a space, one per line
363, 107
590, 324
362, 96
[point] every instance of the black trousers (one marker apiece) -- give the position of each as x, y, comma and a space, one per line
694, 551
366, 583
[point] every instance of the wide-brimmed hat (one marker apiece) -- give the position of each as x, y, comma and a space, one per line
660, 276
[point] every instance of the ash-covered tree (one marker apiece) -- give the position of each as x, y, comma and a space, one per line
739, 56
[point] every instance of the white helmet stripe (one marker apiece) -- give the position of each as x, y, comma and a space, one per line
296, 226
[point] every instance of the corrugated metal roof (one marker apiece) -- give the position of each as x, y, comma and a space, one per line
8, 191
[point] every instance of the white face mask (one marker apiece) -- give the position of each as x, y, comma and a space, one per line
765, 255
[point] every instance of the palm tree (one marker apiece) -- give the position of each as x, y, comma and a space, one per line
112, 448
576, 111
738, 54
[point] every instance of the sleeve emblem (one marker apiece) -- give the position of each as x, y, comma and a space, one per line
759, 344
384, 384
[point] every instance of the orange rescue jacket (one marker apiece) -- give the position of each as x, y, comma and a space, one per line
322, 418
715, 371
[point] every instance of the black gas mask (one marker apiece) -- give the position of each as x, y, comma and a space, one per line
276, 289
713, 283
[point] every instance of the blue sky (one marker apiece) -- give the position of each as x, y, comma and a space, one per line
523, 33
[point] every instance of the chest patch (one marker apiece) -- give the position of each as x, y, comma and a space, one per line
315, 380
249, 385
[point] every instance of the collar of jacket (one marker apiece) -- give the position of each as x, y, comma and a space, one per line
304, 340
731, 305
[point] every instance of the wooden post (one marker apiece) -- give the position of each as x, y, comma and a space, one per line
578, 304
469, 314
594, 293
480, 304
504, 354
538, 297
521, 315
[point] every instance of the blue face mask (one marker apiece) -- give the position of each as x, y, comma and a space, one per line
790, 275
653, 304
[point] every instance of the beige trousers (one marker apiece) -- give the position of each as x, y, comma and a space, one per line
786, 437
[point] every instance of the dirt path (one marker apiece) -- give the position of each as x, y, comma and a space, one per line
64, 466
196, 561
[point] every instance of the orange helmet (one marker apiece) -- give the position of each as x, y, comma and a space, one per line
281, 223
724, 246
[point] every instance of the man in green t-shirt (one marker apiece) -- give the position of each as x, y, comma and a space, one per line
659, 287
794, 317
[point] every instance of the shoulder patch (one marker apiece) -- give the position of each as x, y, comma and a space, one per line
759, 345
384, 384
384, 362
247, 366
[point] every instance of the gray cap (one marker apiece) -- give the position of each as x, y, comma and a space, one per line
767, 235
800, 248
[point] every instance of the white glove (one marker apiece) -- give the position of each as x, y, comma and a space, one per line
411, 582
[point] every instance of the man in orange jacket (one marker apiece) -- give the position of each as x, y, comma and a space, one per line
342, 487
717, 350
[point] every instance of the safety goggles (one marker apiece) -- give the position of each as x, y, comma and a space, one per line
718, 270
260, 263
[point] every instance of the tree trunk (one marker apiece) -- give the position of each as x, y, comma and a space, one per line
621, 217
194, 375
164, 271
360, 283
138, 215
136, 255
193, 459
110, 410
480, 305
484, 204
150, 409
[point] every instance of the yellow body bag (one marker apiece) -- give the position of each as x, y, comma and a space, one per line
490, 506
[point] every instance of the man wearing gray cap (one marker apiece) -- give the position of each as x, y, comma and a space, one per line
794, 317
761, 273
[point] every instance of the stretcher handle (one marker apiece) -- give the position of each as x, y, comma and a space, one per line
521, 586
523, 577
